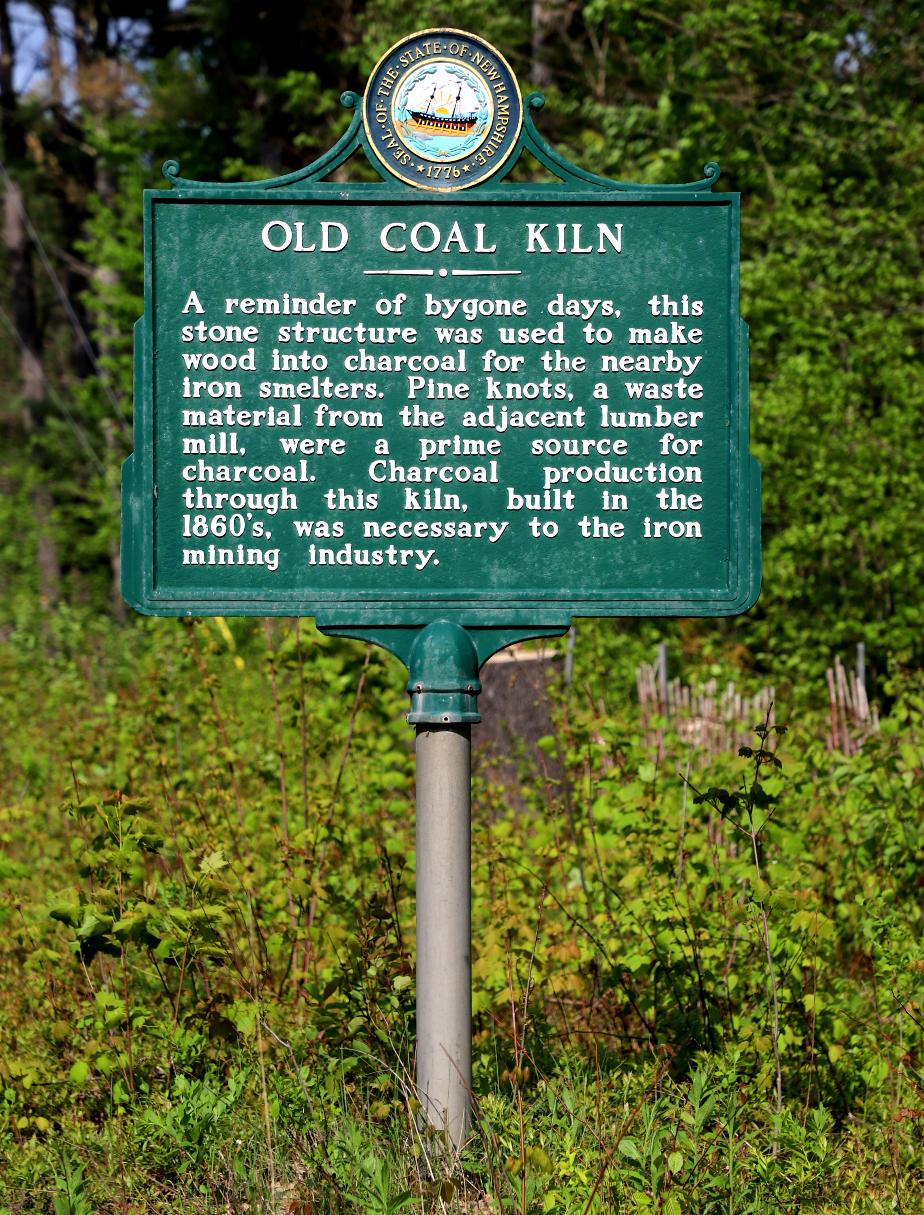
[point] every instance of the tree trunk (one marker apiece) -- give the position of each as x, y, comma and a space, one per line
108, 278
18, 247
548, 20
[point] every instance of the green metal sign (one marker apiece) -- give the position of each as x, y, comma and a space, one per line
441, 397
443, 412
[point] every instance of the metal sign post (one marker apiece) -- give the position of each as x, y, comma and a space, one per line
444, 684
443, 413
444, 935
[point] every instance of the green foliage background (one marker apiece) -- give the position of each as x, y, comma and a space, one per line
206, 831
814, 113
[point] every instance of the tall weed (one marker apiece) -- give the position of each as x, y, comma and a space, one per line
687, 997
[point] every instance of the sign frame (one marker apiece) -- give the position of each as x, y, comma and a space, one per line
493, 608
441, 640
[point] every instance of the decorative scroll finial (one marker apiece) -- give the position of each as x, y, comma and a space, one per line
442, 112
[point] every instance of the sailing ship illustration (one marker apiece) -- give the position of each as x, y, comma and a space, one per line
437, 122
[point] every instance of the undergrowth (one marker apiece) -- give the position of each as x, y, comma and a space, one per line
697, 980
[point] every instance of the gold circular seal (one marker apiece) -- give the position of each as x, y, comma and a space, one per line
442, 110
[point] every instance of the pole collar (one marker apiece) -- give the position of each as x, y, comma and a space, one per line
443, 683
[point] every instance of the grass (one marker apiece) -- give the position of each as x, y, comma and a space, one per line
707, 1001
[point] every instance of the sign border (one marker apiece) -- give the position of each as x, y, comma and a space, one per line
368, 608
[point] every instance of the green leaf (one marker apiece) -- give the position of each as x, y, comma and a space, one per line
629, 1148
65, 913
135, 805
95, 924
213, 863
402, 1200
79, 1073
539, 1159
136, 926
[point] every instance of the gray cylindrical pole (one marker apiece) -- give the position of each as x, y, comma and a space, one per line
444, 927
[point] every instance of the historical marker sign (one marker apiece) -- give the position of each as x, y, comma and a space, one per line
442, 414
440, 396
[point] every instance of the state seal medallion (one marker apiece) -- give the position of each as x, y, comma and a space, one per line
442, 110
